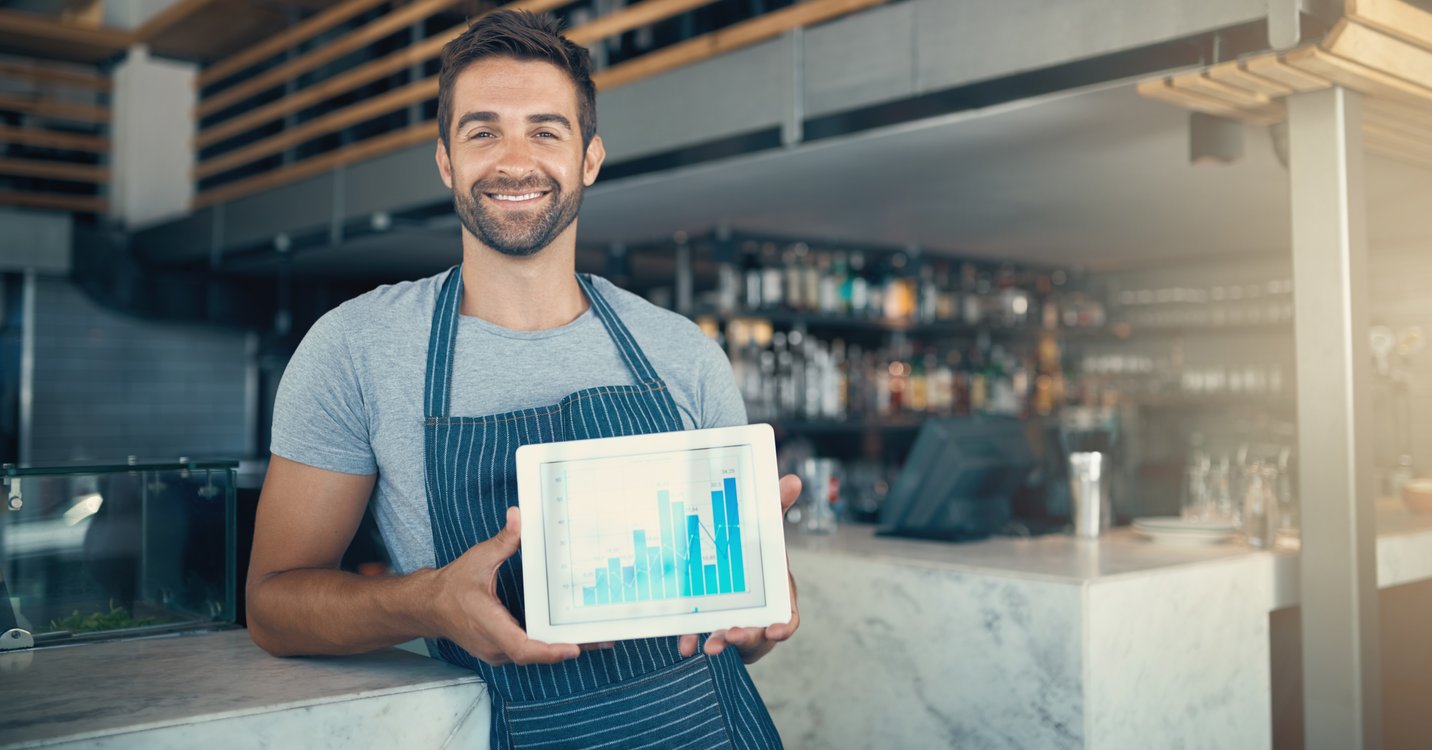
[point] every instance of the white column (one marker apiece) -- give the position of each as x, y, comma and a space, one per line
151, 136
1338, 578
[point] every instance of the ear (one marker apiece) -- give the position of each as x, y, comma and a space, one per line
444, 164
592, 162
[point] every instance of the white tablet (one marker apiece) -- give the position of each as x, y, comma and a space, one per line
652, 535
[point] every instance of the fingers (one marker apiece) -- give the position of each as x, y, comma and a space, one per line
539, 652
598, 646
790, 491
686, 646
715, 643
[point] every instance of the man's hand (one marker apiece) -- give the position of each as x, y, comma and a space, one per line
468, 612
753, 643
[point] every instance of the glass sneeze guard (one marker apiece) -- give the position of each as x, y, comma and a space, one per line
97, 551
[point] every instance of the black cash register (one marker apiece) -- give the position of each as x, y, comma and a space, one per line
959, 480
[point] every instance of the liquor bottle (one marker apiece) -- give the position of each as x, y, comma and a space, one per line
810, 279
751, 265
839, 293
791, 261
827, 286
919, 391
970, 295
857, 291
772, 280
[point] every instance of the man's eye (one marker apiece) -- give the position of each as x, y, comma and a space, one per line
546, 134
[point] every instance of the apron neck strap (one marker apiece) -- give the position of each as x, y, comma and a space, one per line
442, 340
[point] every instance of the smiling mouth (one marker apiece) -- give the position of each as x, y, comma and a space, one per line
520, 198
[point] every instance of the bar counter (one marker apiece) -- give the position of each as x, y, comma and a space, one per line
1048, 642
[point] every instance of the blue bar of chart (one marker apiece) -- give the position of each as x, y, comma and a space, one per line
689, 554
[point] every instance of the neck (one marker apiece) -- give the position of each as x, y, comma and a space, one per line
522, 294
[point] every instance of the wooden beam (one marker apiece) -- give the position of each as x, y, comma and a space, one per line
359, 38
1392, 124
1161, 89
1273, 67
302, 32
1232, 73
631, 17
337, 120
425, 132
48, 170
60, 77
1399, 111
1353, 41
85, 204
1398, 140
1356, 76
340, 84
164, 19
45, 29
1199, 83
733, 37
1403, 20
55, 110
93, 144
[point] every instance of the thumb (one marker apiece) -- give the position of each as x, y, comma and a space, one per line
504, 543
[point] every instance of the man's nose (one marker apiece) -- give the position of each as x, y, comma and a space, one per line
515, 158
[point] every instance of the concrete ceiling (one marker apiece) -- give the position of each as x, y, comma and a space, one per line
1089, 178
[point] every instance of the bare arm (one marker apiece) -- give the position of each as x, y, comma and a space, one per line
299, 602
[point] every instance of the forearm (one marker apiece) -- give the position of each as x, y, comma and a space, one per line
324, 611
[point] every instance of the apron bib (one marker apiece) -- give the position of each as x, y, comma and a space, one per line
641, 693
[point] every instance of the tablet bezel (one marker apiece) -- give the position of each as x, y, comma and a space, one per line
766, 482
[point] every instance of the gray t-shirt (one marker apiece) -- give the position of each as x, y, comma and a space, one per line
351, 398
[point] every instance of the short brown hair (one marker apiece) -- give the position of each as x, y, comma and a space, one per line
518, 35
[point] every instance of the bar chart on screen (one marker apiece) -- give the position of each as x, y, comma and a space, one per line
673, 532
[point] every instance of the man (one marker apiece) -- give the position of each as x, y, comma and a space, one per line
419, 394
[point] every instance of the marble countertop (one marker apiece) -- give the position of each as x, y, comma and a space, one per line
158, 682
1404, 553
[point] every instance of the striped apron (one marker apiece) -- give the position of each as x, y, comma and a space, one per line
641, 693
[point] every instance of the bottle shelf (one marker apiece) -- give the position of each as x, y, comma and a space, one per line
832, 321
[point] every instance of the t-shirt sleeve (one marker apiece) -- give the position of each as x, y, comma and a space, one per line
319, 417
721, 402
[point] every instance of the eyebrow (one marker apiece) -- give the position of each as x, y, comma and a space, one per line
487, 116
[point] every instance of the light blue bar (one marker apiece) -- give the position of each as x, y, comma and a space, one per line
733, 530
639, 563
681, 565
693, 564
711, 578
604, 592
589, 596
628, 583
723, 553
668, 547
614, 579
658, 576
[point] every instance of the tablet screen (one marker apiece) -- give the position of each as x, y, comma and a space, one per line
651, 535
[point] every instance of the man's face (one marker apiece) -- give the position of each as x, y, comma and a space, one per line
516, 164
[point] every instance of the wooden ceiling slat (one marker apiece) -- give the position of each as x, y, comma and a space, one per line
1273, 67
54, 170
1356, 76
361, 151
1233, 73
276, 44
51, 139
351, 115
77, 203
1397, 18
1199, 83
55, 110
1163, 90
38, 74
733, 37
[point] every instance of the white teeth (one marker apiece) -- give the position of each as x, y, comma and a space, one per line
527, 197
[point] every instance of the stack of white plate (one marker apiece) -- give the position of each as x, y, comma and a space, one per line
1175, 530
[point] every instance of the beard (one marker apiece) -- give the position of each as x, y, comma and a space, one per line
517, 235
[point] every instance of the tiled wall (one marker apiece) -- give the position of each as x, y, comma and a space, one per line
108, 386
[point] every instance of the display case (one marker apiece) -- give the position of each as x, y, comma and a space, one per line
97, 551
